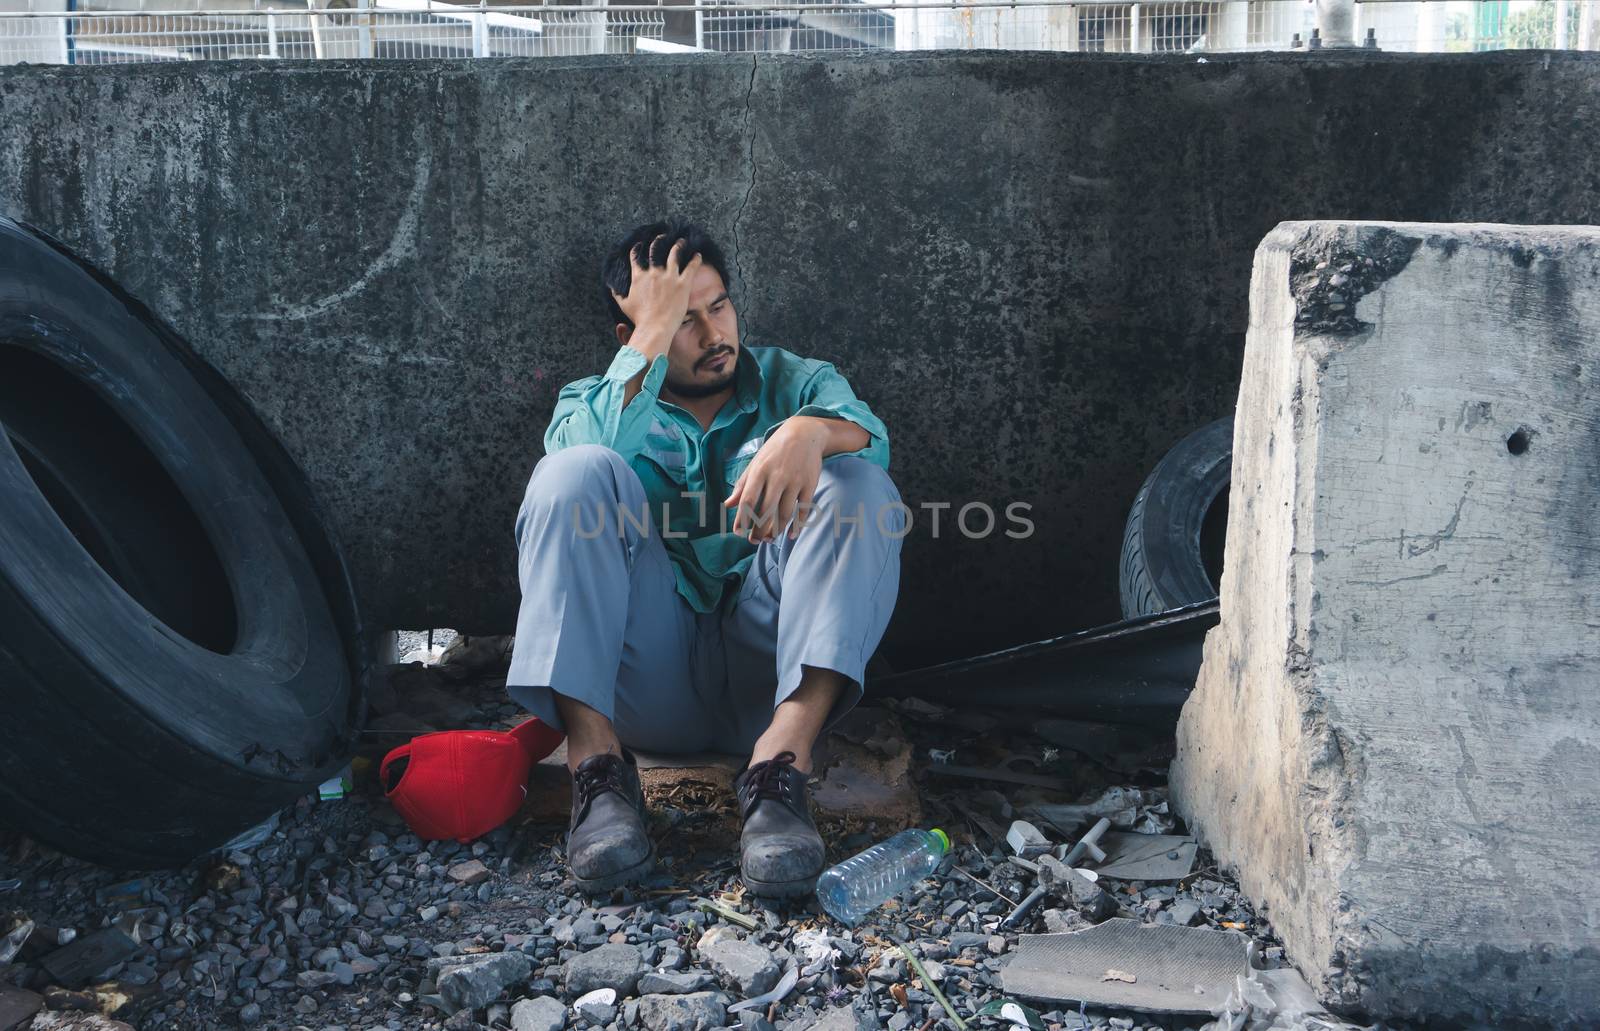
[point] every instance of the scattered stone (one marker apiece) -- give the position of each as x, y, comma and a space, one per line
842, 1018
612, 965
72, 1020
597, 1014
1064, 921
17, 1006
1185, 912
742, 965
673, 982
473, 985
405, 925
700, 1011
541, 1014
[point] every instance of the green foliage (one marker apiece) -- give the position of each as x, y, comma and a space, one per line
1535, 28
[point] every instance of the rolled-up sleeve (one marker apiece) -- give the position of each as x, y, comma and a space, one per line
828, 394
590, 411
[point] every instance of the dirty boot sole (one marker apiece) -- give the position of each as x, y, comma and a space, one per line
601, 885
780, 889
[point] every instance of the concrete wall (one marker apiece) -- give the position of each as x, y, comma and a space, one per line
1035, 265
1394, 738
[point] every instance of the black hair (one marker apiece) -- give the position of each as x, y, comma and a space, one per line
616, 272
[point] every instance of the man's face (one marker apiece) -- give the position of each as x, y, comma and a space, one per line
705, 348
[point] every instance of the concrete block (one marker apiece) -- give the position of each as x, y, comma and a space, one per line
1395, 738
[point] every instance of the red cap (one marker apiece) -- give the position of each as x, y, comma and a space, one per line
464, 783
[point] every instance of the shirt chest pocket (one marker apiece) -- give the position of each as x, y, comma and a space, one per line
739, 461
664, 445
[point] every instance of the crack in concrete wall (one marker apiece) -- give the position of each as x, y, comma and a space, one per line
746, 295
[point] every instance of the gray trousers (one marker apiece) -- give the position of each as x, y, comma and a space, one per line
602, 621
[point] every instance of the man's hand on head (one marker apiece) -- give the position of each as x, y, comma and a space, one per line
658, 295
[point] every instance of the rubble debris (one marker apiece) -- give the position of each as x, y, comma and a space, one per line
614, 965
1026, 840
931, 985
1121, 749
250, 838
743, 965
473, 656
336, 786
123, 893
1151, 858
1025, 907
541, 1014
1000, 775
597, 1007
469, 873
15, 931
1175, 969
87, 958
479, 980
342, 918
73, 1020
986, 885
1088, 845
816, 949
779, 991
733, 916
1125, 807
1015, 1013
105, 998
864, 772
1079, 889
701, 1011
17, 1007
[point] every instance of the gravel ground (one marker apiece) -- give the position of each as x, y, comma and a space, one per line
407, 641
342, 919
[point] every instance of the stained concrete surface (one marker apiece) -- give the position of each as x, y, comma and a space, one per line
1034, 265
1394, 738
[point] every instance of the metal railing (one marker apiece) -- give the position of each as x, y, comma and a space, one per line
425, 28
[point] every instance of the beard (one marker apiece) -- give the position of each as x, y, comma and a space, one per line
697, 389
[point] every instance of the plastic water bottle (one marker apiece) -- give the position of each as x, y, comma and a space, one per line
866, 881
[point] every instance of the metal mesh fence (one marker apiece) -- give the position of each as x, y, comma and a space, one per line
425, 28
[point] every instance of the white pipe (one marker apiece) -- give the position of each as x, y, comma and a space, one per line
316, 30
1336, 21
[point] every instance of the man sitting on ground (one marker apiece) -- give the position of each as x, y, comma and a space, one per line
709, 553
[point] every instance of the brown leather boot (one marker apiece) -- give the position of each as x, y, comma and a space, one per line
607, 846
780, 851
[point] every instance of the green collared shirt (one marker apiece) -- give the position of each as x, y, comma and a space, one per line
688, 472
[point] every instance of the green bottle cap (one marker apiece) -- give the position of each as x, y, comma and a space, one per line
944, 840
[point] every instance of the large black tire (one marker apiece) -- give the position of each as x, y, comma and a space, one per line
180, 652
1172, 543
